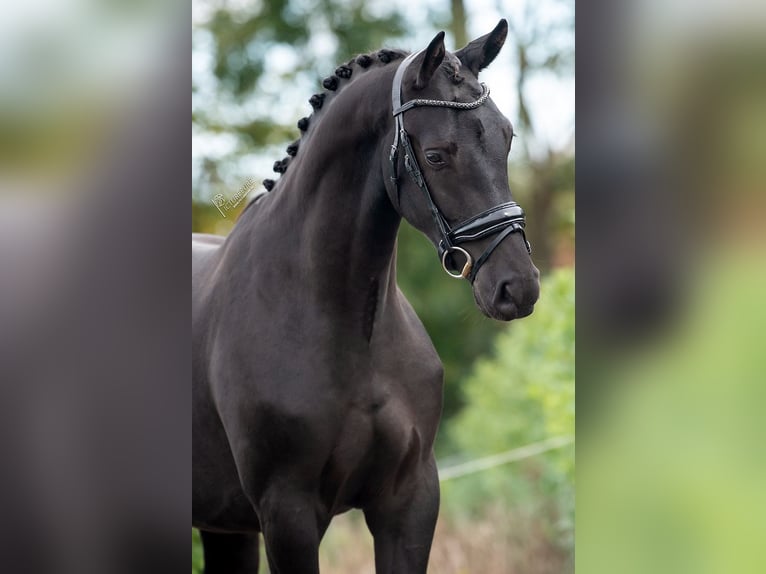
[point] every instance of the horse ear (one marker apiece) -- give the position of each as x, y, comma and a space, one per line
479, 54
430, 61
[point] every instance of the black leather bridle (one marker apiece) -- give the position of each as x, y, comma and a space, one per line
500, 220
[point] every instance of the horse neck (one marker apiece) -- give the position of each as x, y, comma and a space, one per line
332, 206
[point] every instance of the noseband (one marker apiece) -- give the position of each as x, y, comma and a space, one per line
500, 220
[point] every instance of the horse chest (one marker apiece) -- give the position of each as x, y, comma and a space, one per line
389, 428
382, 439
355, 415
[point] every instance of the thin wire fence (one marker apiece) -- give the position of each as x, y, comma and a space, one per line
516, 454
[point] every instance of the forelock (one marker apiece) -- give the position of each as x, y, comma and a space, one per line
451, 64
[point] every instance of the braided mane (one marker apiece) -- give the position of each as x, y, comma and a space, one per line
334, 83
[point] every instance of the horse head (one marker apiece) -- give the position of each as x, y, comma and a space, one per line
453, 142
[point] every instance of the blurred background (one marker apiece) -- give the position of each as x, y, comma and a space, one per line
671, 369
94, 290
254, 66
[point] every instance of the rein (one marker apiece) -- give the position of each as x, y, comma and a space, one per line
500, 220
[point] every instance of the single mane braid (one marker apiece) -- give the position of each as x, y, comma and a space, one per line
343, 72
387, 56
280, 166
364, 61
317, 100
332, 84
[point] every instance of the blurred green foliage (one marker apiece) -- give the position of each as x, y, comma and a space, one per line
676, 485
242, 37
197, 558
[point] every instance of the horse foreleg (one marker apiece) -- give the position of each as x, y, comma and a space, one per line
403, 524
230, 553
292, 533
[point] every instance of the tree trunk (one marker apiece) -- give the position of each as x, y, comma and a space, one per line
459, 26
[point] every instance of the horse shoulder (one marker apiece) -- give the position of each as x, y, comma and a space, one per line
409, 377
412, 349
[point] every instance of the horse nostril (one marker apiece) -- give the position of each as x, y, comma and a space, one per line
504, 297
505, 292
521, 294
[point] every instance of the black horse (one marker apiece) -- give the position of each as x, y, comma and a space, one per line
315, 387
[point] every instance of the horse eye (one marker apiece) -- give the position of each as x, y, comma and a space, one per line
434, 158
